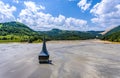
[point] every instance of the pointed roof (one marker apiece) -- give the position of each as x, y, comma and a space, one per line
44, 51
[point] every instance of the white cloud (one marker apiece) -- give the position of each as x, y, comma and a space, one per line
6, 12
107, 13
33, 16
16, 1
33, 7
84, 5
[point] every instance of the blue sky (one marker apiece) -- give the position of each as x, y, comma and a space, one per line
78, 15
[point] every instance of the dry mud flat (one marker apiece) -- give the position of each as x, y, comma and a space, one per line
70, 59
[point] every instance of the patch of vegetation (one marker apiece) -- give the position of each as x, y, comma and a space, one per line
0, 25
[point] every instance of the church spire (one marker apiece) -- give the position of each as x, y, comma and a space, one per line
44, 55
44, 49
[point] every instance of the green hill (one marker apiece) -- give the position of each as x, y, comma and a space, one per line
112, 35
17, 32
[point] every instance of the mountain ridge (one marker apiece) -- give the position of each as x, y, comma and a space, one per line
16, 31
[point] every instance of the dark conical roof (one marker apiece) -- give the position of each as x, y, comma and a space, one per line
44, 51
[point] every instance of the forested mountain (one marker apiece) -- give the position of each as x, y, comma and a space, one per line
56, 34
112, 35
17, 32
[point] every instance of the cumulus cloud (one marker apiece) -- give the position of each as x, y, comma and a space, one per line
33, 16
107, 13
6, 12
31, 5
84, 5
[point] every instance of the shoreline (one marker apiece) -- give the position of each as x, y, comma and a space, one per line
58, 41
108, 42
